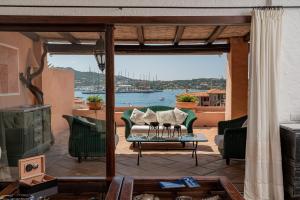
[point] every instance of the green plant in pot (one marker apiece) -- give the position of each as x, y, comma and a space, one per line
94, 102
186, 101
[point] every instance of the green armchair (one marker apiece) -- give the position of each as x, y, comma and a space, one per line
87, 137
231, 138
188, 121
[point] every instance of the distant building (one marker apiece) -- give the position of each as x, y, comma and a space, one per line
213, 97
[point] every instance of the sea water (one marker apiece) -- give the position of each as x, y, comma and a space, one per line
164, 98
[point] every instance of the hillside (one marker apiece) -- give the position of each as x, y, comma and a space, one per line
83, 79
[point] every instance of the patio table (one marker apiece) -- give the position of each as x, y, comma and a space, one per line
188, 138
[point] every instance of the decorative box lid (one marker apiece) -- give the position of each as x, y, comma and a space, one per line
31, 167
291, 126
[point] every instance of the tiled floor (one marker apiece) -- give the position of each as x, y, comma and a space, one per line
153, 163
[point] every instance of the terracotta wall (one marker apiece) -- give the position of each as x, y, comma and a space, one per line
58, 88
209, 119
17, 40
237, 79
57, 84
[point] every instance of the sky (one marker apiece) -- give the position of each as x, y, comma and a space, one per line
164, 67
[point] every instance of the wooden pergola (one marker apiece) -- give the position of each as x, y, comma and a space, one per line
148, 39
129, 35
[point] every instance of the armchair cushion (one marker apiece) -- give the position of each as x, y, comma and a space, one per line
219, 140
245, 124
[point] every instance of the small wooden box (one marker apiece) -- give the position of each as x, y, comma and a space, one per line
33, 179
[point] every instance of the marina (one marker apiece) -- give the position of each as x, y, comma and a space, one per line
164, 97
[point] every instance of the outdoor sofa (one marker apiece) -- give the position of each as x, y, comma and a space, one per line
231, 138
186, 126
87, 137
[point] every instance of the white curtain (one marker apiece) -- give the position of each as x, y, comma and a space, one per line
263, 178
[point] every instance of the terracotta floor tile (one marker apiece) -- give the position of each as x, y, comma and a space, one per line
153, 163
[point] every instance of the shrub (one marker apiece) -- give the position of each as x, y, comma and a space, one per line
186, 98
94, 98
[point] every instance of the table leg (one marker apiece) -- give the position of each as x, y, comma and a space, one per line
196, 153
140, 149
139, 153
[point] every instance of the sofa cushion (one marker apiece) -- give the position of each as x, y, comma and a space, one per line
137, 117
149, 116
180, 116
219, 140
167, 116
143, 130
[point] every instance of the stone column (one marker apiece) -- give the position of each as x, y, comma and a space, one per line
237, 79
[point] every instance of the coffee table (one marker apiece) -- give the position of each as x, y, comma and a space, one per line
188, 138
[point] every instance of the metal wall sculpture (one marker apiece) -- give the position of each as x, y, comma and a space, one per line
29, 76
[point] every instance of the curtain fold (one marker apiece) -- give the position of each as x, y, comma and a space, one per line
263, 173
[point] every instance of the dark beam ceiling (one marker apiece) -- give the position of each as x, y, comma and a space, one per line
179, 32
80, 49
33, 36
140, 33
69, 37
215, 34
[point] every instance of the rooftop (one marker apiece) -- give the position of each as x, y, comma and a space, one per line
205, 94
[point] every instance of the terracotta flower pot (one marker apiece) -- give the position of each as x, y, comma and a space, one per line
187, 105
94, 105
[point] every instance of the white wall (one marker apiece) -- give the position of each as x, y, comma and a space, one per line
289, 102
129, 11
137, 11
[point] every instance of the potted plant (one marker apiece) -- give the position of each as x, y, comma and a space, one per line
94, 102
186, 101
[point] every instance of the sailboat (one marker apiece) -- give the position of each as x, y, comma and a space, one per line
96, 87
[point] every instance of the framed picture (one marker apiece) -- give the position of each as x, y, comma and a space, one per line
9, 70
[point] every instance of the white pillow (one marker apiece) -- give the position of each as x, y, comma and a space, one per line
137, 117
166, 117
149, 116
180, 116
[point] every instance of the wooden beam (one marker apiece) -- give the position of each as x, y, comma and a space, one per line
81, 49
31, 35
140, 33
115, 187
171, 49
49, 27
215, 34
58, 23
179, 32
110, 101
69, 37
